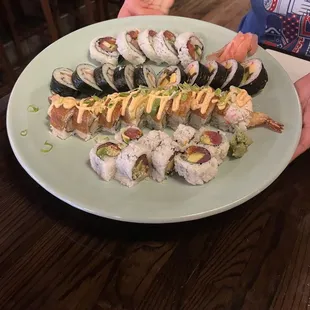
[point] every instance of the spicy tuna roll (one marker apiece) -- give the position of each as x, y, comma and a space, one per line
190, 48
129, 134
124, 78
104, 50
171, 76
218, 74
146, 43
235, 74
255, 76
61, 83
83, 80
197, 74
184, 135
104, 77
129, 48
144, 76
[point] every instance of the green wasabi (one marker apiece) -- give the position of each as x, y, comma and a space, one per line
239, 144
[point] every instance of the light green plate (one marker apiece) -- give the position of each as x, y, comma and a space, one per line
65, 172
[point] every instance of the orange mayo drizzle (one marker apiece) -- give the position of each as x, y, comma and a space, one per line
206, 102
67, 102
125, 102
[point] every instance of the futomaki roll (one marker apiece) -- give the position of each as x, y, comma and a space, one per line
124, 78
104, 50
144, 76
218, 74
171, 76
61, 83
129, 134
235, 74
197, 74
104, 77
255, 76
190, 48
129, 48
146, 43
83, 80
196, 165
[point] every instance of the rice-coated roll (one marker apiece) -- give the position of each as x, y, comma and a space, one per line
129, 48
124, 78
197, 74
104, 77
171, 76
190, 48
164, 46
103, 159
255, 76
61, 83
215, 141
144, 76
132, 165
104, 50
235, 74
129, 134
196, 165
163, 161
60, 114
218, 74
184, 135
83, 79
146, 43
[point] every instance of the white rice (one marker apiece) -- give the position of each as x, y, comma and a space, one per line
184, 135
93, 129
196, 174
128, 51
61, 134
164, 51
197, 122
146, 43
102, 56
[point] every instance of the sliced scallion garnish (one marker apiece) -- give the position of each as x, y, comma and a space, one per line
24, 133
32, 108
48, 148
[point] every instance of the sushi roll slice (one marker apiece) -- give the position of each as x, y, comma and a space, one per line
171, 76
184, 135
85, 119
61, 83
129, 134
235, 74
124, 78
104, 50
163, 161
218, 74
164, 46
102, 159
60, 114
197, 74
104, 77
196, 165
144, 76
146, 43
129, 48
202, 107
132, 165
83, 80
255, 76
215, 141
190, 48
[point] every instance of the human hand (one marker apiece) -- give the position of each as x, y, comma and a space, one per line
303, 90
145, 7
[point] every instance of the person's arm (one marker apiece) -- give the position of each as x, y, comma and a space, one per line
145, 7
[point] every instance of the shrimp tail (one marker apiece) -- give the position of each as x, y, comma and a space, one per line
260, 119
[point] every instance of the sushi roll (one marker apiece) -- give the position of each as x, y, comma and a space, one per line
102, 159
171, 76
104, 50
184, 135
255, 76
60, 114
197, 74
164, 46
144, 76
218, 74
202, 107
129, 134
61, 83
146, 43
132, 165
235, 74
104, 77
196, 165
83, 80
124, 78
190, 48
163, 161
128, 47
215, 141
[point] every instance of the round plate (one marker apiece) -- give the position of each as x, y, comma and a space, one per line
65, 171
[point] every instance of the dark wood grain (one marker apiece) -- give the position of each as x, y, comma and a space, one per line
254, 257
